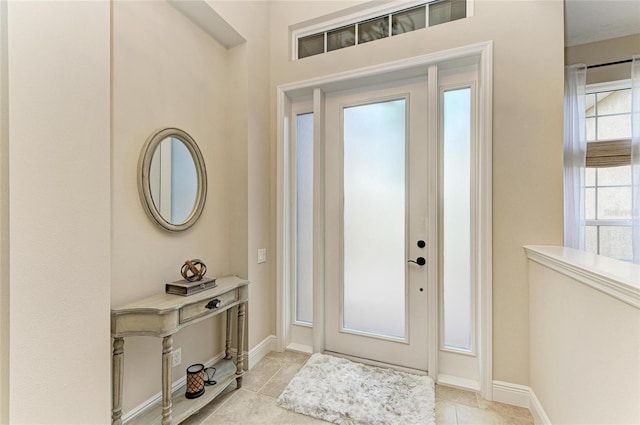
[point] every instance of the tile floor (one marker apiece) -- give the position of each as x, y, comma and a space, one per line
255, 402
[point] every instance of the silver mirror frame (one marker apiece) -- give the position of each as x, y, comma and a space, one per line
144, 188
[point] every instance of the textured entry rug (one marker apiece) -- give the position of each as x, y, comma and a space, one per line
347, 393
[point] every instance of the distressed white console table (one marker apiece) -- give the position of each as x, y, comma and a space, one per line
163, 315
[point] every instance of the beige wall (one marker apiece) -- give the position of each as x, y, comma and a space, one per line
251, 20
58, 139
527, 133
4, 219
167, 72
585, 351
606, 51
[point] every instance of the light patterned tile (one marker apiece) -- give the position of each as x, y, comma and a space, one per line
478, 416
250, 408
277, 384
454, 395
289, 356
512, 420
261, 373
474, 416
446, 413
505, 409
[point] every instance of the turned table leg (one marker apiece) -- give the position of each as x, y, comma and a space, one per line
167, 348
227, 342
117, 372
240, 343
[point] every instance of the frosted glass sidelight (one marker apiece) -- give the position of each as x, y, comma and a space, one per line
456, 219
374, 218
304, 218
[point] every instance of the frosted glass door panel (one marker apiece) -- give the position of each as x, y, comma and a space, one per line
374, 214
456, 219
304, 218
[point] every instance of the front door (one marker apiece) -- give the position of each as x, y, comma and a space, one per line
376, 261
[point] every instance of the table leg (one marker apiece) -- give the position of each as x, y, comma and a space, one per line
167, 349
227, 343
117, 373
240, 343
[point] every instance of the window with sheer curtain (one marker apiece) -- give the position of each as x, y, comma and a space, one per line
608, 171
602, 164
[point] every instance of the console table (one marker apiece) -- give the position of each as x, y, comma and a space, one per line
163, 315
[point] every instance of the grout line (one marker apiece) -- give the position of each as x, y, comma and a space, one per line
285, 362
455, 412
233, 394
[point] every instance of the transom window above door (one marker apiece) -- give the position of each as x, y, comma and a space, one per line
402, 17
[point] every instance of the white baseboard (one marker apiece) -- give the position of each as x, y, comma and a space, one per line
461, 383
522, 396
514, 394
300, 348
261, 349
539, 415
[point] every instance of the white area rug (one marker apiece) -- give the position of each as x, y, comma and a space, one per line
347, 393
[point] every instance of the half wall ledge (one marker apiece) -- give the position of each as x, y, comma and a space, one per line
616, 278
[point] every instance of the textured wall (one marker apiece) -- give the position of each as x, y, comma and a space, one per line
250, 97
167, 73
605, 51
59, 211
585, 351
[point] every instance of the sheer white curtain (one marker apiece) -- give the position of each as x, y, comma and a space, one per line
635, 156
575, 153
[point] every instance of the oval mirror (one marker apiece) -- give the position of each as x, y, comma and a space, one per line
172, 179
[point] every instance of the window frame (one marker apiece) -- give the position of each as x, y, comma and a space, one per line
356, 16
604, 154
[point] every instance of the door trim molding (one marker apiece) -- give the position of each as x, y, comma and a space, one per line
400, 69
433, 301
485, 237
318, 222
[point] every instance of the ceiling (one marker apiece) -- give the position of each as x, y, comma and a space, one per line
587, 21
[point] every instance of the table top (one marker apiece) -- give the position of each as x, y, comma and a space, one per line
163, 302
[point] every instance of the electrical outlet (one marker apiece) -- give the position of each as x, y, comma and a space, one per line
262, 255
177, 357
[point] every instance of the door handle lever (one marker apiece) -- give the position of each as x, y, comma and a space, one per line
419, 261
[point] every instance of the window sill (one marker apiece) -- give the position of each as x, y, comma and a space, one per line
618, 279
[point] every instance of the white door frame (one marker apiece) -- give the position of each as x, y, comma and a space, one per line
482, 53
